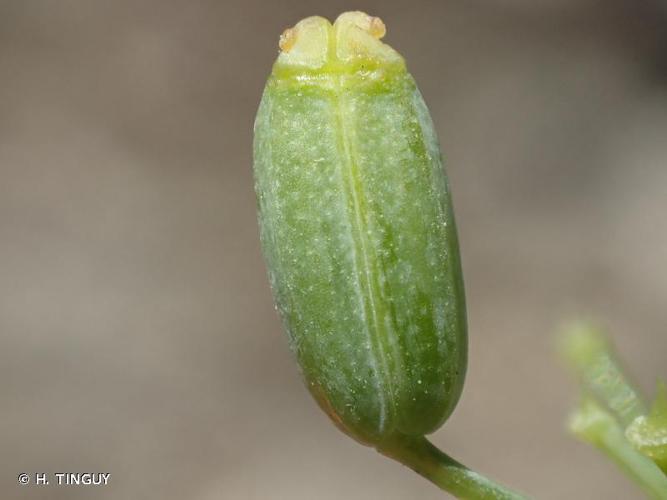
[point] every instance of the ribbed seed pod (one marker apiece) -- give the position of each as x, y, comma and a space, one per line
358, 232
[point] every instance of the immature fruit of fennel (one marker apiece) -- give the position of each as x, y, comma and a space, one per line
358, 232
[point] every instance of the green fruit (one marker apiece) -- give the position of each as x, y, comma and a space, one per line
358, 232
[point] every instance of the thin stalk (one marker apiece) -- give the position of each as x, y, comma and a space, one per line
417, 453
612, 410
593, 424
592, 358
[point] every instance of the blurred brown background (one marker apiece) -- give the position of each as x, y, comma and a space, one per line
137, 332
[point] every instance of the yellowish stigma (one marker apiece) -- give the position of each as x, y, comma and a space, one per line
377, 28
369, 24
287, 39
355, 36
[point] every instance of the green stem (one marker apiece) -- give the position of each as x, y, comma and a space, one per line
592, 358
593, 424
425, 459
620, 409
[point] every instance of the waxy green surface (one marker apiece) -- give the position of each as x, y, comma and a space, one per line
358, 232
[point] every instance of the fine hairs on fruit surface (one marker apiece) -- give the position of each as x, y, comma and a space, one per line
358, 230
358, 233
